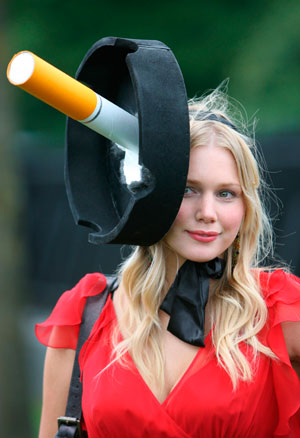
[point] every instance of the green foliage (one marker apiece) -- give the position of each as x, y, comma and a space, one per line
255, 44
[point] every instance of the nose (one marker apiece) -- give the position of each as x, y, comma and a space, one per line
205, 210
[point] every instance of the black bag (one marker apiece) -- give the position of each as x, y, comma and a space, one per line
69, 425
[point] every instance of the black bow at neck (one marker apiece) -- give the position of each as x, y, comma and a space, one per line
187, 297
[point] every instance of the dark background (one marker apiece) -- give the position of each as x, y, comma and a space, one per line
256, 44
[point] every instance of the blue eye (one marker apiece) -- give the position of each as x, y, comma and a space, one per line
226, 194
189, 191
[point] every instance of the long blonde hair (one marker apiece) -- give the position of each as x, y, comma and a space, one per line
238, 309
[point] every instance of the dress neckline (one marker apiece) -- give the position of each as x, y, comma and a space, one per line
184, 375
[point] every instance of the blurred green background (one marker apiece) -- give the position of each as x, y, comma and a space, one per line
254, 43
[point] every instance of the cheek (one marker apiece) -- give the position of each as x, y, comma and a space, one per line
182, 214
178, 226
234, 217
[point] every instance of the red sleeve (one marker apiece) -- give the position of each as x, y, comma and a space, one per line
282, 295
61, 329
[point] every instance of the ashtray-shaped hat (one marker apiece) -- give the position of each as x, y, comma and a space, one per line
144, 78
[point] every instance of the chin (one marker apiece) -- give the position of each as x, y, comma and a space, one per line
200, 259
202, 255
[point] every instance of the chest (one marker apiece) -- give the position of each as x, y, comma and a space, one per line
179, 356
117, 401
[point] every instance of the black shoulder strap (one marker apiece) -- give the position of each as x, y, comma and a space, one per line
69, 425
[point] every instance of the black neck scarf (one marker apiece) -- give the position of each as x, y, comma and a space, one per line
187, 297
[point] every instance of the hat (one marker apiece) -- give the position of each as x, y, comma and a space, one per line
122, 198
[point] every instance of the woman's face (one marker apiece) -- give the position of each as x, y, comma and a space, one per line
212, 208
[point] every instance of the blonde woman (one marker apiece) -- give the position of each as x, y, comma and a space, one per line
197, 340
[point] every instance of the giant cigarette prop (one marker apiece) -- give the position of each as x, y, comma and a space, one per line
44, 81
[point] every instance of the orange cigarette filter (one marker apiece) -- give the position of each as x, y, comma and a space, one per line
52, 86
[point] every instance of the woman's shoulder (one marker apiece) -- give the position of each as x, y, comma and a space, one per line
61, 328
88, 285
279, 286
71, 303
281, 291
281, 333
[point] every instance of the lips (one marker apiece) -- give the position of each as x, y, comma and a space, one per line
205, 233
203, 236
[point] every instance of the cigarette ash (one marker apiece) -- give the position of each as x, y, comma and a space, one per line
132, 174
145, 184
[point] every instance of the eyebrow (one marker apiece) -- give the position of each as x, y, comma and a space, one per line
223, 184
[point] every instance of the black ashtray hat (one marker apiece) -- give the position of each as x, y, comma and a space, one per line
144, 78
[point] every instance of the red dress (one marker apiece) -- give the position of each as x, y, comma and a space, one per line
117, 403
